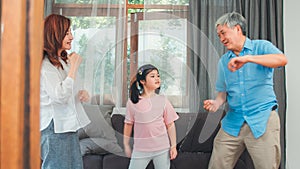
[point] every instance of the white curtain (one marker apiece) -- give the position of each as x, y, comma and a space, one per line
163, 41
98, 27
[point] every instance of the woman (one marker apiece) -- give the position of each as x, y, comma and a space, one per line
61, 112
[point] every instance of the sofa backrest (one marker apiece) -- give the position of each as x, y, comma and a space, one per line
117, 121
201, 136
188, 130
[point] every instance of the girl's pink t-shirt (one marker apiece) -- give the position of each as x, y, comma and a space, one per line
150, 117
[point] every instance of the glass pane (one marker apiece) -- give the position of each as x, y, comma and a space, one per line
163, 44
94, 40
135, 1
167, 2
89, 2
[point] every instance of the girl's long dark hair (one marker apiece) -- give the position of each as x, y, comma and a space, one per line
136, 86
55, 30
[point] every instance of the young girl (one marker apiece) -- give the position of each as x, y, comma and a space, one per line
153, 117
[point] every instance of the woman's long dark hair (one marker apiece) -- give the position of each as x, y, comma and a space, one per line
55, 30
136, 86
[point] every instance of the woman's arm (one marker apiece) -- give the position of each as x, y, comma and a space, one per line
75, 61
57, 89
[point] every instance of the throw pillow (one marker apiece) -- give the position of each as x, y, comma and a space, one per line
98, 136
100, 125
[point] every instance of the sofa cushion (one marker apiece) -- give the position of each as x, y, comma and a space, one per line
188, 160
92, 162
98, 136
112, 161
99, 146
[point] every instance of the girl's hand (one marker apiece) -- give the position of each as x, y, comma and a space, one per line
83, 96
173, 153
127, 151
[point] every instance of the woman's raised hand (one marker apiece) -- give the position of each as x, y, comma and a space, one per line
74, 60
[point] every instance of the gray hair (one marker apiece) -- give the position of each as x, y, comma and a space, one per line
232, 19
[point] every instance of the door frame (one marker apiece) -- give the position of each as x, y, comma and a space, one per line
21, 55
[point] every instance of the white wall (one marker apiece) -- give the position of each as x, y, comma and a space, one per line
292, 48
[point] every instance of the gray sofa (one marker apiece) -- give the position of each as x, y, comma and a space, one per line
102, 141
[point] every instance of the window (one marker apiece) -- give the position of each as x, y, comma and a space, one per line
116, 37
160, 39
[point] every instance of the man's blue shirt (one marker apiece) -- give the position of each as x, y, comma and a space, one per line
250, 93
